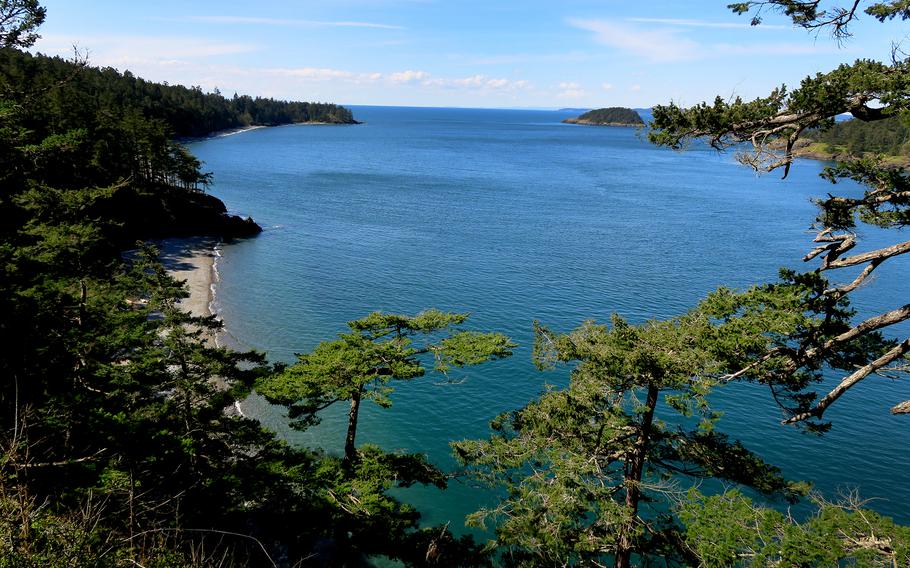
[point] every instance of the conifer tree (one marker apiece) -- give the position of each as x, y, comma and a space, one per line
379, 348
592, 471
771, 126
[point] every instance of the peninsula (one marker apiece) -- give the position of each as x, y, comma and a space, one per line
888, 140
613, 116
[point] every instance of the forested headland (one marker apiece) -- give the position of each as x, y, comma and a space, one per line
119, 445
183, 111
82, 126
889, 138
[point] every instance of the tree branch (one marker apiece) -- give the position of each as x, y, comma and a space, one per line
869, 325
880, 255
840, 291
898, 351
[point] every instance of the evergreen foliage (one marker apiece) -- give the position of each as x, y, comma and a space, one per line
19, 20
730, 530
581, 465
120, 446
584, 466
888, 137
875, 93
380, 348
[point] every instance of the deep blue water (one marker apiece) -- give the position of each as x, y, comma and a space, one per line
513, 217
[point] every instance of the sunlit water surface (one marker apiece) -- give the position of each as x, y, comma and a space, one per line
515, 217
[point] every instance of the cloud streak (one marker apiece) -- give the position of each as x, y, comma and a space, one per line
477, 82
409, 76
668, 42
657, 44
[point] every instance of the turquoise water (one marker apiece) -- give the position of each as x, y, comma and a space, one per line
513, 217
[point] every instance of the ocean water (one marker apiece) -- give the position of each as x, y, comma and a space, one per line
515, 217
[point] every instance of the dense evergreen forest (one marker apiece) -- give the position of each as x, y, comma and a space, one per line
100, 127
119, 445
889, 137
183, 111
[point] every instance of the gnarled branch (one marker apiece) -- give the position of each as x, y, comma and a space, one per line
816, 411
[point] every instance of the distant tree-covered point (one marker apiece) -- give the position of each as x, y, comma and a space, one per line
613, 116
186, 111
856, 138
75, 126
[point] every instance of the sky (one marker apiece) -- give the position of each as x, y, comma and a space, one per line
457, 53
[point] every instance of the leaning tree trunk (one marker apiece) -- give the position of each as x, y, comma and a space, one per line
635, 465
350, 452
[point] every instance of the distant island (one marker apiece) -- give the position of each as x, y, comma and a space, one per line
613, 116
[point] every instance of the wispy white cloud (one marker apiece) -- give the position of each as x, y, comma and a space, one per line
408, 76
472, 81
251, 20
667, 42
704, 23
570, 90
477, 82
654, 44
606, 86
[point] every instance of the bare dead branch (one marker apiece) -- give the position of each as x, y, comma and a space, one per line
880, 254
869, 325
816, 411
840, 291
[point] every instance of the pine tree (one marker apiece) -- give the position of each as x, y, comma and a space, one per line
871, 91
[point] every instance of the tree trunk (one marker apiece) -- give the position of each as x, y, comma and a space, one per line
350, 452
635, 465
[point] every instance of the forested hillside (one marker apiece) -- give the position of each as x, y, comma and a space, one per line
119, 445
183, 111
78, 126
890, 137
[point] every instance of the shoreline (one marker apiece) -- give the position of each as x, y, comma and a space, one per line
193, 259
219, 134
234, 131
811, 154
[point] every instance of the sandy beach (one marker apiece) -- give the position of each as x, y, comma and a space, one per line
191, 259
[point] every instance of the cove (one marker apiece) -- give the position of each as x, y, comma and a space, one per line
513, 216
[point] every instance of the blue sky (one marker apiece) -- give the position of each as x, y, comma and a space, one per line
467, 53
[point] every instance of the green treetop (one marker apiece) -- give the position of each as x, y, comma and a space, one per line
770, 127
379, 348
18, 21
583, 465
